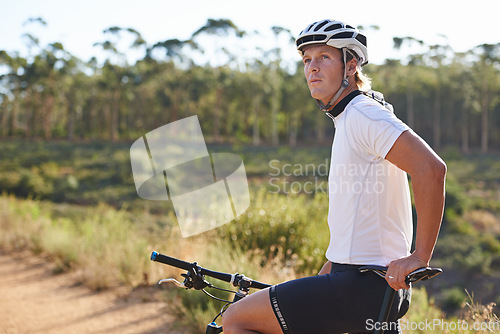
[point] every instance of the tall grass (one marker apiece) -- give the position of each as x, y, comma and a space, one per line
425, 317
281, 236
102, 243
110, 247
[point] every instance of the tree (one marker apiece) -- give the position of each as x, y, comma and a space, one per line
277, 86
448, 98
486, 73
413, 60
174, 50
12, 82
217, 28
437, 54
115, 77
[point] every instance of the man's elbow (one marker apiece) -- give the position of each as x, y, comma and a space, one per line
437, 170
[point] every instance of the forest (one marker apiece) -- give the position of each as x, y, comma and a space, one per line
451, 99
67, 191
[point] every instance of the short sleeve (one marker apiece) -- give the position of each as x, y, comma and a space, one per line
373, 130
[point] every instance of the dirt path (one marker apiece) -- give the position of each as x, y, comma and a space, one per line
34, 300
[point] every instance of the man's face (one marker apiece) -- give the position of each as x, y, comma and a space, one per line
323, 68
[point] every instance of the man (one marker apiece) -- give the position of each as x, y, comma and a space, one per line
369, 202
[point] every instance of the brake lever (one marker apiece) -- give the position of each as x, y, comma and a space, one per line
172, 280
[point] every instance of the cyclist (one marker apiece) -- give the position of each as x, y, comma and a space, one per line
369, 202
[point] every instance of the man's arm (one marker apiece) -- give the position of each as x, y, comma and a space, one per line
428, 172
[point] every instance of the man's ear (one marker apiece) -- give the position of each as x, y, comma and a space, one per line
351, 67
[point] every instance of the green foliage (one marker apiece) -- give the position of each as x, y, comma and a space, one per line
422, 308
456, 199
290, 228
79, 207
63, 172
454, 298
465, 253
259, 97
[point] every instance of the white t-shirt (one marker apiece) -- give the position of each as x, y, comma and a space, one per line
369, 214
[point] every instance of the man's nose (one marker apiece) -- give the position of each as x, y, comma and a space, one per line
313, 66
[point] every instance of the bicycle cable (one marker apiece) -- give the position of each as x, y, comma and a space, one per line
217, 298
222, 310
221, 289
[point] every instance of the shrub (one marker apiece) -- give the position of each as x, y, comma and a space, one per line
292, 228
454, 298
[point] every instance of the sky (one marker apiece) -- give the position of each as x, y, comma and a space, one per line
80, 24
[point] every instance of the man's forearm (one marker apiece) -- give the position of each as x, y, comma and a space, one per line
429, 194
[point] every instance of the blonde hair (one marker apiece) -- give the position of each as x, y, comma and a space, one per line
363, 81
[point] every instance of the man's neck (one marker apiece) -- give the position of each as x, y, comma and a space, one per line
342, 104
349, 89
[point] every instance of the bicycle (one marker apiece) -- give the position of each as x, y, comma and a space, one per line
194, 278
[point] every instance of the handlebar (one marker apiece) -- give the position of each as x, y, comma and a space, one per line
420, 274
234, 279
194, 278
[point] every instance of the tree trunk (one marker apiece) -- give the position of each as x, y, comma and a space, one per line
293, 129
71, 120
33, 119
5, 118
484, 120
13, 116
465, 131
275, 102
321, 128
115, 115
47, 117
256, 126
410, 98
437, 120
217, 112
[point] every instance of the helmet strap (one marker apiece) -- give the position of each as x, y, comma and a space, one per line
343, 86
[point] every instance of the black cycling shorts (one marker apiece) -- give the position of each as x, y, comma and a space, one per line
344, 300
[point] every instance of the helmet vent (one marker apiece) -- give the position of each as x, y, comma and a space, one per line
345, 34
320, 25
309, 28
334, 26
361, 39
311, 38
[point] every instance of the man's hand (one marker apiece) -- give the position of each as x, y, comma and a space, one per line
399, 269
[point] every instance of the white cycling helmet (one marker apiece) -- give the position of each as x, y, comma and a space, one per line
336, 34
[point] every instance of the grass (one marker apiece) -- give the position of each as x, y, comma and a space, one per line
76, 204
102, 243
110, 247
426, 317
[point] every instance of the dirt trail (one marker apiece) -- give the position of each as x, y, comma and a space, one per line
34, 300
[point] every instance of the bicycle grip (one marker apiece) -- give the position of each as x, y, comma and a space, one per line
155, 256
171, 261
